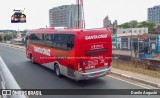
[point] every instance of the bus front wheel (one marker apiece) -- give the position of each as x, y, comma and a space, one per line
32, 59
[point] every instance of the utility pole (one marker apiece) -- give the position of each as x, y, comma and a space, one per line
80, 22
78, 13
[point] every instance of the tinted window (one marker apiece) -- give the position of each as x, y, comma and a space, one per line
33, 37
58, 41
64, 41
58, 38
47, 37
36, 39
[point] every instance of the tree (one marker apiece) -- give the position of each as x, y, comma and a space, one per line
131, 24
125, 25
8, 37
134, 24
158, 28
151, 26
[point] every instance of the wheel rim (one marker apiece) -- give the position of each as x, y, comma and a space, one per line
32, 59
57, 71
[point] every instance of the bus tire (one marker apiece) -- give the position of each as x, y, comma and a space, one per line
32, 59
57, 70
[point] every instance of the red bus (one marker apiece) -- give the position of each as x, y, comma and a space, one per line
76, 53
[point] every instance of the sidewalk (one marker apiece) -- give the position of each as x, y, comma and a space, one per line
137, 77
12, 45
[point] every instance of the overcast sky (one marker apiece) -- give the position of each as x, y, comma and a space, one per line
94, 10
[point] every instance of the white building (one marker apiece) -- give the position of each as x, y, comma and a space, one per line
19, 35
66, 16
131, 31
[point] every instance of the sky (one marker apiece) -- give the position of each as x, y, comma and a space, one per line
37, 11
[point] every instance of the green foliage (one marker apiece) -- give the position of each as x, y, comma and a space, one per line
134, 24
131, 24
7, 37
125, 25
151, 26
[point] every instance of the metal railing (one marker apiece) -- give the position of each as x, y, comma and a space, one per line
8, 81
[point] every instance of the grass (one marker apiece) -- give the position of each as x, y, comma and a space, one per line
138, 68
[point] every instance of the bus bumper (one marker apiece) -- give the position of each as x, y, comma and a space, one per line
92, 75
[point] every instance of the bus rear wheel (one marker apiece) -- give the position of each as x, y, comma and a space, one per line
57, 70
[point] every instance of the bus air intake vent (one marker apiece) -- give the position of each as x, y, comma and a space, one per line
96, 52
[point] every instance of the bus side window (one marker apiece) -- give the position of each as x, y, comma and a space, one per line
57, 41
63, 41
33, 37
52, 37
48, 40
47, 37
70, 42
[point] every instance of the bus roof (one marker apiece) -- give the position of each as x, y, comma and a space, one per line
67, 30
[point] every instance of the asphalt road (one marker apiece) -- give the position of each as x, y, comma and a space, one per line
34, 76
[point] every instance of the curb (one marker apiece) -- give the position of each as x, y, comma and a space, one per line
136, 79
14, 46
114, 73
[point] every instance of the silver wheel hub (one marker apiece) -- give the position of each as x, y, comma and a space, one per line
57, 70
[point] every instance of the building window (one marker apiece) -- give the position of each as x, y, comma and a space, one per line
124, 45
140, 31
130, 31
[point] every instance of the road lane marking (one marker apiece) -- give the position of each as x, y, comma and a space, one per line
127, 76
128, 82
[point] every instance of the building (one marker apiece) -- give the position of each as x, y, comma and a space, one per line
154, 14
66, 16
144, 46
116, 43
131, 31
108, 23
19, 35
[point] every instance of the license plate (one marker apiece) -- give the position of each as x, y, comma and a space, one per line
96, 74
